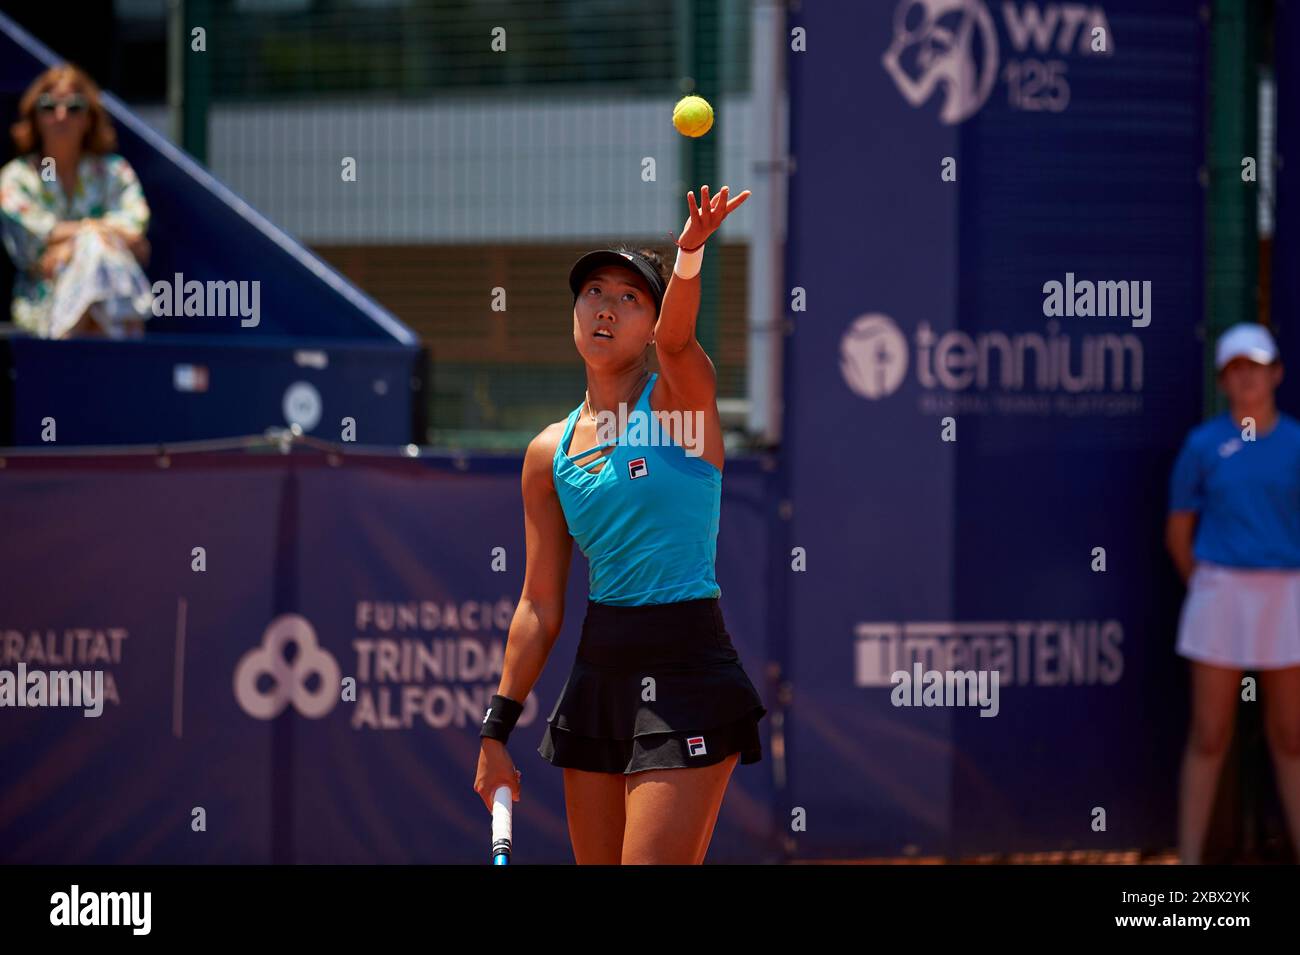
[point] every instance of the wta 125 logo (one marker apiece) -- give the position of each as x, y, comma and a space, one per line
951, 46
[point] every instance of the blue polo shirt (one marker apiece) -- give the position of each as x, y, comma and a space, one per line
1246, 492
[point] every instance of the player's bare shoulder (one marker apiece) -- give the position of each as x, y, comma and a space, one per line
547, 440
541, 452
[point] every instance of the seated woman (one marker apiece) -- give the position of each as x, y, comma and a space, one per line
72, 215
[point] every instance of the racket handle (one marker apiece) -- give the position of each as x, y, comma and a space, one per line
502, 800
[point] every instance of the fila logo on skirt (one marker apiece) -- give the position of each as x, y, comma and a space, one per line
695, 745
637, 468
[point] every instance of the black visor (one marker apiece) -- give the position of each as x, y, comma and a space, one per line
626, 260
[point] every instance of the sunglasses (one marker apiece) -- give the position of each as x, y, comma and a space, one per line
74, 104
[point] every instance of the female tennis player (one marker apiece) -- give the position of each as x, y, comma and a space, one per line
1239, 498
657, 710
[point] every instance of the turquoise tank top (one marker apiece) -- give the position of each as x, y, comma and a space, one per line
647, 521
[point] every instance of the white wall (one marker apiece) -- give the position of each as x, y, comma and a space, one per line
468, 169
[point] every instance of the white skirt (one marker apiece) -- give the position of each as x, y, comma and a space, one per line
1242, 618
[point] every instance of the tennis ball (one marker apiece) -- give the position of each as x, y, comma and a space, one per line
693, 116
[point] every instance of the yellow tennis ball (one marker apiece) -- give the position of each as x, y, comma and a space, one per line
693, 116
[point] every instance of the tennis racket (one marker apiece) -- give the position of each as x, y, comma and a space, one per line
501, 806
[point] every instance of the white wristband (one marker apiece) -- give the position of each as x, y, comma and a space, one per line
688, 263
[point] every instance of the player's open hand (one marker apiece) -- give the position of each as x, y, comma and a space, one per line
707, 215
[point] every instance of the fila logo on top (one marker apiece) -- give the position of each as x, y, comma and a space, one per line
695, 745
637, 468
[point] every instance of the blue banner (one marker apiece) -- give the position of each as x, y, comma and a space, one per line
96, 575
398, 575
998, 238
1286, 235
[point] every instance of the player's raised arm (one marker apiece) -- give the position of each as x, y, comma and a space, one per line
685, 366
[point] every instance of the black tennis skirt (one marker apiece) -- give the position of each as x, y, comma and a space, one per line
657, 686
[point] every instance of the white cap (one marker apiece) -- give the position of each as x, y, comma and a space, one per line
1245, 340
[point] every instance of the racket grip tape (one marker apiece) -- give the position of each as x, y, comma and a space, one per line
502, 800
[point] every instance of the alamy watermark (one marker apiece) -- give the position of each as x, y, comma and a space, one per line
1088, 299
80, 688
946, 688
75, 907
179, 298
642, 429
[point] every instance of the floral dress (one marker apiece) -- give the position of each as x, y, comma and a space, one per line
101, 275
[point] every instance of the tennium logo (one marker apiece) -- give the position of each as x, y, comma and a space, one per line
876, 358
873, 356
